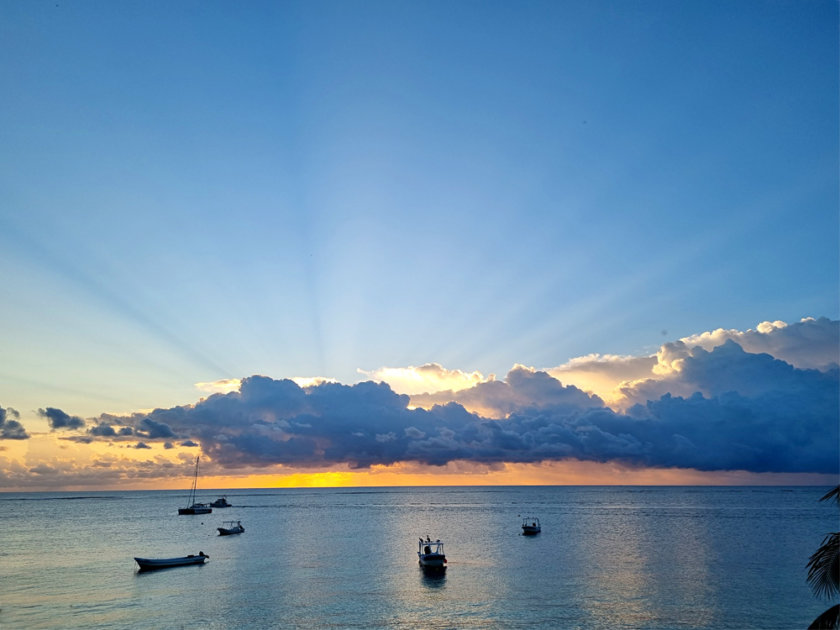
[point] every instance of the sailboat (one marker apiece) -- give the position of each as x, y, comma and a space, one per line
192, 506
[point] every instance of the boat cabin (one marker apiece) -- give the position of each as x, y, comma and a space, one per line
530, 526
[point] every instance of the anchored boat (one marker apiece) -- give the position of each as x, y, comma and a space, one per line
430, 554
192, 506
151, 564
221, 502
531, 526
231, 527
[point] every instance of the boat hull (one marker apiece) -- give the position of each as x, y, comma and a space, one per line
224, 531
530, 531
195, 509
433, 561
153, 564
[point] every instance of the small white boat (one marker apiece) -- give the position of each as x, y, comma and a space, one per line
531, 526
151, 564
430, 554
192, 506
230, 528
221, 502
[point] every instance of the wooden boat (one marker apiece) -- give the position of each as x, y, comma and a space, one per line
152, 564
430, 555
192, 506
531, 526
230, 528
221, 502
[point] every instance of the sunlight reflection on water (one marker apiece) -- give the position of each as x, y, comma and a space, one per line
607, 558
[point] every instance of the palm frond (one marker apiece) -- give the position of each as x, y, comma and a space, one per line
824, 567
834, 493
829, 620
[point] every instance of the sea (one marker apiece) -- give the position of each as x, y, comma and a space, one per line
607, 557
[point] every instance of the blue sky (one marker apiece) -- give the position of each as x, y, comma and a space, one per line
201, 191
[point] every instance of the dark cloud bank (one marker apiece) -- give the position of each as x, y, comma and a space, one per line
751, 412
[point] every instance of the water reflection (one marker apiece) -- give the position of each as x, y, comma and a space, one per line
433, 578
618, 571
654, 561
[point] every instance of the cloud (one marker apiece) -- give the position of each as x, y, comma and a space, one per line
222, 386
809, 343
311, 381
428, 378
58, 419
724, 409
151, 429
522, 387
102, 430
10, 428
622, 381
604, 375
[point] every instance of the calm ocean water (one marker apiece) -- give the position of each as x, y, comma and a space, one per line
658, 558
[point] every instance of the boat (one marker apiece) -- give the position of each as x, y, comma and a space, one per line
531, 526
430, 554
221, 502
192, 506
151, 564
231, 527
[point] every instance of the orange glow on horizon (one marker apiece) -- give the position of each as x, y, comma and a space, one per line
46, 463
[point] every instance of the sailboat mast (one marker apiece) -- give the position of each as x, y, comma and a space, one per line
195, 482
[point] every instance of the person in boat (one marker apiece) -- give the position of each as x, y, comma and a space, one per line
427, 549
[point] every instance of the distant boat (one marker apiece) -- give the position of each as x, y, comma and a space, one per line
221, 502
231, 527
151, 564
192, 506
430, 554
531, 526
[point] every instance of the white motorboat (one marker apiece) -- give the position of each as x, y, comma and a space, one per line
231, 527
430, 554
151, 564
531, 526
221, 502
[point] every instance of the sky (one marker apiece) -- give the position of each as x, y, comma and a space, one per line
373, 243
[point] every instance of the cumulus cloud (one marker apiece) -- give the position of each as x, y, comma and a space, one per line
222, 386
10, 427
428, 378
522, 387
604, 375
809, 343
720, 409
59, 419
622, 381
